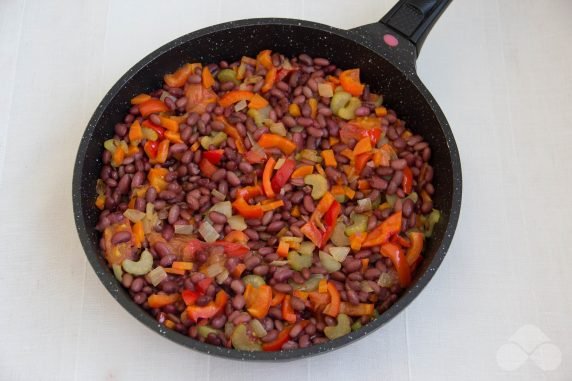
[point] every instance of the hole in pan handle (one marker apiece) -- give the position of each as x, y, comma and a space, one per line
414, 19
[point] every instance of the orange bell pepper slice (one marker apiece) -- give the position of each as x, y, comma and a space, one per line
363, 146
246, 210
414, 252
257, 102
302, 171
272, 205
277, 299
264, 58
294, 110
206, 167
283, 248
138, 234
169, 124
236, 236
207, 77
135, 133
333, 308
329, 159
180, 265
399, 261
156, 177
407, 182
349, 79
238, 270
276, 141
356, 240
269, 80
231, 131
258, 300
152, 106
313, 103
198, 97
383, 232
211, 309
361, 309
179, 77
162, 151
160, 300
279, 342
288, 313
361, 161
138, 99
266, 177
235, 96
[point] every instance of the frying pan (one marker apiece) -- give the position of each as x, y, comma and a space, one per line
385, 52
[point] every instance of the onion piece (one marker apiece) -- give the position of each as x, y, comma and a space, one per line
279, 164
339, 237
218, 195
223, 207
208, 233
134, 215
214, 269
184, 229
237, 223
279, 263
220, 278
100, 187
366, 287
339, 253
387, 279
278, 129
258, 328
329, 262
325, 90
239, 106
157, 275
364, 205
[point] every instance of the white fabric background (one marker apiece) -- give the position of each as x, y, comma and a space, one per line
501, 71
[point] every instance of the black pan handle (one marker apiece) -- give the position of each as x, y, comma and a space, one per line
414, 19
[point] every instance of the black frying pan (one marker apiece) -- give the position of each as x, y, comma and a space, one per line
388, 69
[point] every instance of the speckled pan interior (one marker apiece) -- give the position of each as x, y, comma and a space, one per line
390, 71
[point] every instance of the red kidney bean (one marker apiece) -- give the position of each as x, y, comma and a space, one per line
137, 284
120, 237
407, 207
372, 273
283, 287
275, 226
162, 249
283, 274
168, 232
350, 265
270, 336
217, 218
309, 204
399, 164
238, 301
261, 270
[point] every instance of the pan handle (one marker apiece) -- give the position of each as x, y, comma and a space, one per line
414, 19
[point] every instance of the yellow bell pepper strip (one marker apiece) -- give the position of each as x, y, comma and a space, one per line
276, 141
152, 106
257, 102
266, 176
349, 79
269, 80
333, 308
100, 202
356, 310
329, 159
302, 171
383, 232
179, 77
288, 313
407, 182
195, 312
264, 58
161, 300
231, 131
235, 96
313, 103
138, 99
350, 192
414, 252
258, 300
395, 253
207, 77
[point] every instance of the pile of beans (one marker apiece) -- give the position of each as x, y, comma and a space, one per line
187, 195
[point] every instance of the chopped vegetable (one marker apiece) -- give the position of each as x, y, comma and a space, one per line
343, 328
275, 141
140, 267
414, 252
266, 175
207, 231
237, 223
329, 263
339, 237
319, 185
361, 309
384, 231
258, 300
211, 309
349, 79
161, 300
157, 275
235, 96
399, 261
254, 280
299, 261
339, 253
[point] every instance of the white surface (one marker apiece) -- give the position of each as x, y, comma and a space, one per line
501, 71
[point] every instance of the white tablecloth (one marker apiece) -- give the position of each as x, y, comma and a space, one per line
498, 308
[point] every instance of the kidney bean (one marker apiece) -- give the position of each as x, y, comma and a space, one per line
283, 287
120, 237
350, 265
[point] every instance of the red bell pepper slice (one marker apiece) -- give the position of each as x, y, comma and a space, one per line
407, 182
246, 210
283, 175
232, 249
414, 252
211, 309
255, 157
395, 253
203, 284
158, 129
214, 156
330, 219
207, 168
266, 175
151, 148
383, 232
190, 297
361, 160
360, 128
311, 231
288, 313
279, 342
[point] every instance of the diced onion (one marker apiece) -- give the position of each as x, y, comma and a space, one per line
278, 129
366, 287
258, 328
184, 229
100, 187
220, 278
364, 205
208, 233
241, 105
134, 215
279, 164
297, 129
157, 275
339, 253
223, 207
329, 262
214, 269
237, 223
386, 279
279, 263
218, 195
